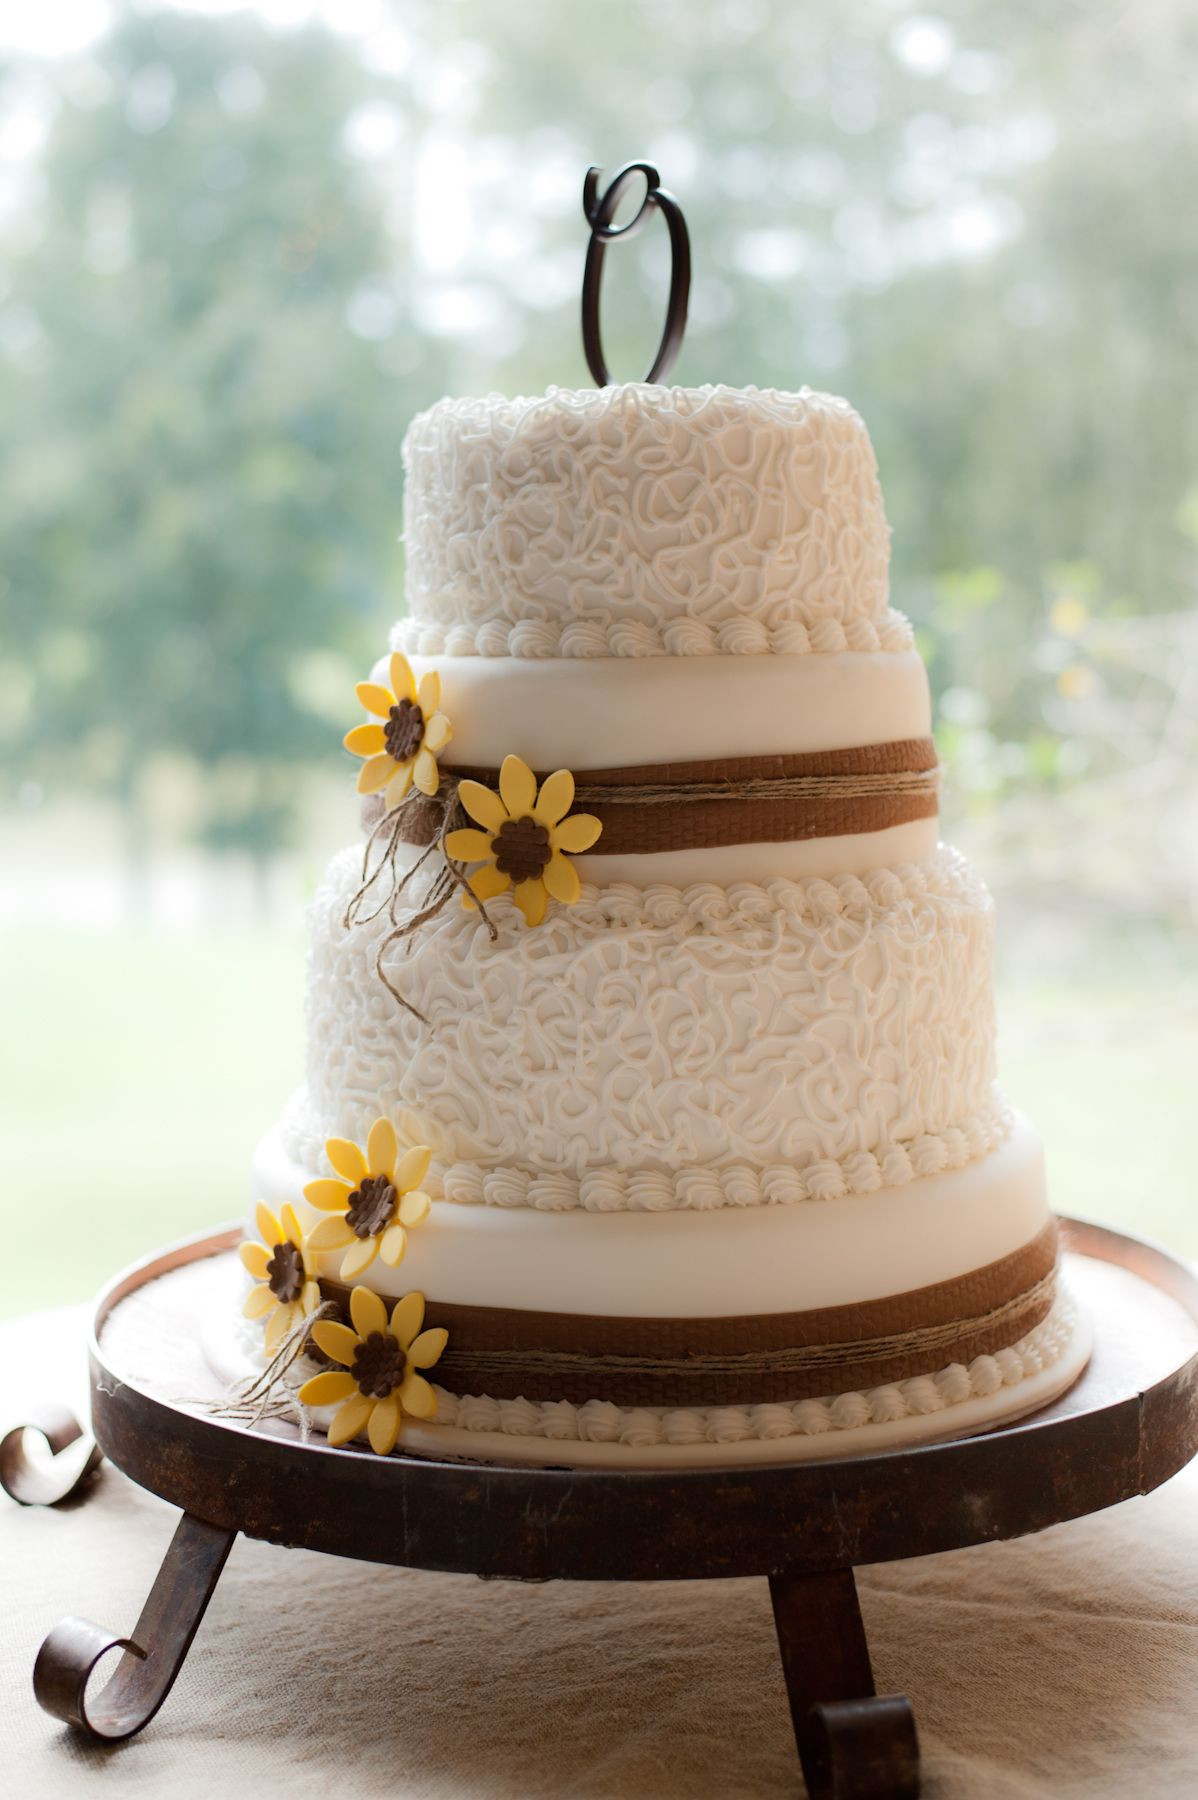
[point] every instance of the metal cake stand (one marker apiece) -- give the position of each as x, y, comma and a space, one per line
1125, 1427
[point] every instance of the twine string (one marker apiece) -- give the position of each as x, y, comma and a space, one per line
780, 787
267, 1395
447, 815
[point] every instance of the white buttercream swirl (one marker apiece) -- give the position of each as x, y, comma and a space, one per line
656, 1190
655, 1047
638, 520
684, 637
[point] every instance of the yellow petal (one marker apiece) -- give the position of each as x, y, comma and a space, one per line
428, 1347
365, 740
485, 883
347, 1159
417, 1397
358, 1258
468, 845
376, 699
375, 774
278, 1325
255, 1257
329, 1388
428, 696
392, 1245
407, 1318
425, 772
258, 1302
402, 678
437, 733
517, 786
483, 804
413, 1168
576, 833
350, 1420
414, 1208
331, 1233
268, 1226
328, 1196
531, 898
400, 785
290, 1224
310, 1298
561, 879
367, 1311
382, 1148
555, 798
384, 1427
337, 1341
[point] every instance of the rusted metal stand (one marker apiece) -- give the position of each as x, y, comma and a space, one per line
852, 1743
151, 1658
1128, 1424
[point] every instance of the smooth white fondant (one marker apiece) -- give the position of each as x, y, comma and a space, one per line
637, 520
856, 853
613, 713
697, 1264
780, 1023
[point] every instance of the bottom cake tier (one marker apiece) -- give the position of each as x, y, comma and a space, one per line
764, 1333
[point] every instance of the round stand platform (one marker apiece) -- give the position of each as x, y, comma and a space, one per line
1127, 1425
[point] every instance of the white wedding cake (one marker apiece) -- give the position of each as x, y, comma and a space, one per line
650, 1113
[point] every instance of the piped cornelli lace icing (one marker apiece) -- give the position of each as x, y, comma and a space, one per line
774, 1027
637, 520
600, 1422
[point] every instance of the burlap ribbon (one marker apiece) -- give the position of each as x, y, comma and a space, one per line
650, 807
511, 1354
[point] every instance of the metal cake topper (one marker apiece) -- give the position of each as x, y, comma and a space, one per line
600, 210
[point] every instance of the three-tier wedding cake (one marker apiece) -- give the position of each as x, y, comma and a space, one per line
650, 1113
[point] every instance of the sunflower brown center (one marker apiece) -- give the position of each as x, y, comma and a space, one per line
378, 1365
371, 1206
285, 1273
403, 731
522, 848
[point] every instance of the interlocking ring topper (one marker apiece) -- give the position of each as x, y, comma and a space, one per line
600, 210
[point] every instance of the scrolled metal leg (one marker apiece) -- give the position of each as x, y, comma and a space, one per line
76, 1459
151, 1658
853, 1743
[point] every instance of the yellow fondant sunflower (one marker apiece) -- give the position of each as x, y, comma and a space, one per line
285, 1290
374, 1201
380, 1379
525, 838
402, 743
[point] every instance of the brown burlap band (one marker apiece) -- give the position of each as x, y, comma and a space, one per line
738, 800
512, 1354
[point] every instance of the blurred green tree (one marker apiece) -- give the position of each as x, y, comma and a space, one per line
199, 459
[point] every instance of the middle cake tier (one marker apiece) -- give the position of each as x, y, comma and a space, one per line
657, 1047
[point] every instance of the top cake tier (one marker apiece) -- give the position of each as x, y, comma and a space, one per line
638, 520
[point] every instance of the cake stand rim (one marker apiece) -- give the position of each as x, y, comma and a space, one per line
530, 1522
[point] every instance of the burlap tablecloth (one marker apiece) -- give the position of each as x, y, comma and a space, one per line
1061, 1665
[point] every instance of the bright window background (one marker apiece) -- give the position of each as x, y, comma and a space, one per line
239, 249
